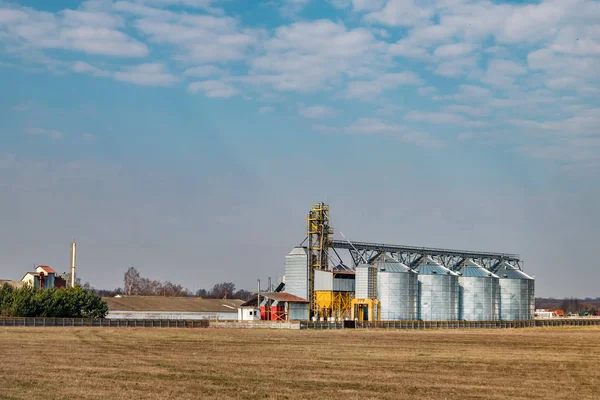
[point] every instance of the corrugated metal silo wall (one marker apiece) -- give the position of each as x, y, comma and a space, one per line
531, 292
343, 285
298, 311
479, 298
397, 294
438, 297
323, 280
517, 299
365, 279
296, 274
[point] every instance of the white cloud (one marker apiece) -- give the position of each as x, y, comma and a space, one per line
22, 107
559, 69
467, 94
199, 38
578, 40
442, 118
585, 122
89, 32
567, 27
53, 134
150, 74
502, 73
201, 4
579, 151
213, 88
370, 126
454, 50
315, 56
78, 18
376, 126
139, 9
266, 110
88, 136
317, 112
290, 8
83, 67
410, 49
562, 82
489, 138
202, 71
371, 88
469, 110
427, 90
456, 68
340, 4
389, 110
536, 22
401, 13
8, 16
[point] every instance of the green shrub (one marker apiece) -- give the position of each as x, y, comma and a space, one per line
60, 303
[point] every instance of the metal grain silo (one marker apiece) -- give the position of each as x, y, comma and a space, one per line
479, 293
517, 293
365, 282
438, 292
397, 289
296, 272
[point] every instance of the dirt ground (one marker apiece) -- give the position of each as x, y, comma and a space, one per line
137, 363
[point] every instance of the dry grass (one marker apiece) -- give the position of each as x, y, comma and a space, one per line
127, 363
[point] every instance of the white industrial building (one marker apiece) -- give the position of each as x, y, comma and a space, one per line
158, 307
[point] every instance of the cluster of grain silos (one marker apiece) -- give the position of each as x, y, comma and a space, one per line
432, 292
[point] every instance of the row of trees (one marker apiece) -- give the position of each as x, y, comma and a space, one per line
587, 306
225, 290
578, 307
136, 285
73, 302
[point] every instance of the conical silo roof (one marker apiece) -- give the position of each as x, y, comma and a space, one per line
298, 251
428, 266
470, 268
385, 263
509, 271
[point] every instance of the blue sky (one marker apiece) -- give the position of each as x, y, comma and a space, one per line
189, 137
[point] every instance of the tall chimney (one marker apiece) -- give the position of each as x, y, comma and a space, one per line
73, 249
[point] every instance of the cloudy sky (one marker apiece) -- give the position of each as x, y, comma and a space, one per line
189, 138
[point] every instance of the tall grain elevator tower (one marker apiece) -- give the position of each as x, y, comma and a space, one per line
318, 231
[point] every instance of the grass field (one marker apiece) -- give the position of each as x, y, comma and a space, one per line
131, 363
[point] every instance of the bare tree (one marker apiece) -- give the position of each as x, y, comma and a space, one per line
223, 290
131, 281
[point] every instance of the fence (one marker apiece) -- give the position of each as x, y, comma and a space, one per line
179, 323
448, 324
115, 323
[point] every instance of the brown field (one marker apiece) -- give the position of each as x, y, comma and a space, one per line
132, 363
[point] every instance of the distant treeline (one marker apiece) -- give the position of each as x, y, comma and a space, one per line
136, 285
570, 305
73, 302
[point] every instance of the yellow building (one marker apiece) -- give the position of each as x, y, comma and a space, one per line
334, 291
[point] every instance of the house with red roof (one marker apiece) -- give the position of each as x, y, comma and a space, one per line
42, 278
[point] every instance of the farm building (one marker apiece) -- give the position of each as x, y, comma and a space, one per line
43, 277
158, 307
